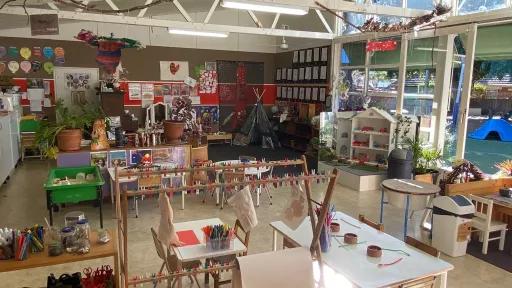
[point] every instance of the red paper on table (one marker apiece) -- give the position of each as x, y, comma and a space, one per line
188, 237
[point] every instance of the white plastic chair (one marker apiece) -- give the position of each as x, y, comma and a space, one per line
483, 223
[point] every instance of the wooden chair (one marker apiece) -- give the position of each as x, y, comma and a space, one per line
146, 182
422, 246
483, 223
170, 260
244, 237
230, 177
370, 223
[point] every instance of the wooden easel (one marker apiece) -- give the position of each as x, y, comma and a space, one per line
122, 206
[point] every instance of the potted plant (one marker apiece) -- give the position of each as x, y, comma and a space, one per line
424, 161
181, 118
65, 134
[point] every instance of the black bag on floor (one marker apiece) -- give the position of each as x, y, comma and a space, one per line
65, 281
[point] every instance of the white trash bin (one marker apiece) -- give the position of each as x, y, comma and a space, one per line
451, 224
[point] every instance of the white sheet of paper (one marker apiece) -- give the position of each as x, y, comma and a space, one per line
196, 100
35, 94
190, 81
35, 106
47, 102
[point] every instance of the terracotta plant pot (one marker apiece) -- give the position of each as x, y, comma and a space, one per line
427, 178
350, 238
374, 251
173, 130
335, 227
69, 139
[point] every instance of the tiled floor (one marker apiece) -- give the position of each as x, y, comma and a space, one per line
22, 203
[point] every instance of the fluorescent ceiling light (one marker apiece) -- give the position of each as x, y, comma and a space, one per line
265, 7
198, 33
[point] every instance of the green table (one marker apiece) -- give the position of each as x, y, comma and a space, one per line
74, 191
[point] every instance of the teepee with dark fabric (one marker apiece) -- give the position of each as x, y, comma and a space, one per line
257, 126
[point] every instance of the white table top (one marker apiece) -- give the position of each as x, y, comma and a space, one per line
199, 251
361, 270
249, 170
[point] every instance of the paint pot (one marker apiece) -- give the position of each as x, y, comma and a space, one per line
374, 251
335, 227
350, 238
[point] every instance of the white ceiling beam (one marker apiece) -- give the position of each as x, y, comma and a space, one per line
113, 6
52, 5
210, 13
152, 22
255, 19
274, 24
143, 11
85, 2
182, 10
322, 18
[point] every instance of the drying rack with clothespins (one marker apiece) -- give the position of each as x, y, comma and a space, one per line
122, 206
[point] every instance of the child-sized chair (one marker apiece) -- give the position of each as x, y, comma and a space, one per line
483, 223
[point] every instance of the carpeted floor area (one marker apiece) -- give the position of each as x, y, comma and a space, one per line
502, 259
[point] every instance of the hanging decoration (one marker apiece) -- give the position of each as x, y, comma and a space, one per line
36, 51
25, 66
3, 52
25, 53
388, 45
48, 52
375, 25
36, 66
2, 67
13, 66
108, 55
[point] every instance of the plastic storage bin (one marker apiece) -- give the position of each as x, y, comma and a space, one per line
73, 193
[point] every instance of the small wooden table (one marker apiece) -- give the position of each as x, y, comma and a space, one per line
225, 137
42, 259
407, 187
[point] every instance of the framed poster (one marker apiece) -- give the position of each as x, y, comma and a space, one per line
283, 74
323, 72
307, 75
301, 93
302, 56
316, 54
309, 55
308, 93
324, 57
295, 74
295, 57
99, 159
290, 92
289, 73
278, 92
322, 95
316, 73
278, 74
117, 158
301, 74
295, 92
314, 93
283, 92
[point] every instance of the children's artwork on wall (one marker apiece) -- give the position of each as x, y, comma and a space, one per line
25, 52
99, 159
25, 66
166, 90
184, 90
210, 66
13, 66
175, 89
227, 93
208, 118
173, 70
3, 52
36, 51
2, 67
158, 91
48, 52
148, 91
77, 81
48, 67
36, 65
143, 156
134, 91
13, 52
117, 158
208, 81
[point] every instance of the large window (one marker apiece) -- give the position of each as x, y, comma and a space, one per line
473, 6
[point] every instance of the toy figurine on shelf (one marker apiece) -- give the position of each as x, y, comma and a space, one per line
383, 130
367, 128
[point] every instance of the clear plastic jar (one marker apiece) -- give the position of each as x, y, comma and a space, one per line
83, 245
69, 238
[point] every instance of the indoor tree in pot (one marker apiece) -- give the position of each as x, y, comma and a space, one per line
181, 118
65, 134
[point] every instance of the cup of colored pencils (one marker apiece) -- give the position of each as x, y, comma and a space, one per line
218, 237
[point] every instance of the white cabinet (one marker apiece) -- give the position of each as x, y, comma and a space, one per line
9, 145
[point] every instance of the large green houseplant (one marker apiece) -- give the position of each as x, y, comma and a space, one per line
65, 134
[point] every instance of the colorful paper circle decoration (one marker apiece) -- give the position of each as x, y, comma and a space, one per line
48, 67
25, 53
36, 51
2, 67
48, 52
59, 52
3, 51
25, 66
59, 61
36, 66
13, 52
13, 66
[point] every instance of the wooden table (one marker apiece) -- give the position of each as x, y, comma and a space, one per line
502, 208
199, 251
221, 136
352, 263
42, 259
408, 188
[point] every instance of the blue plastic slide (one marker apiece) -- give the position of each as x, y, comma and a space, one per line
493, 127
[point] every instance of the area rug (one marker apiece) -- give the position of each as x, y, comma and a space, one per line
502, 259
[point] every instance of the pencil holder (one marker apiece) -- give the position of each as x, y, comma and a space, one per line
219, 244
